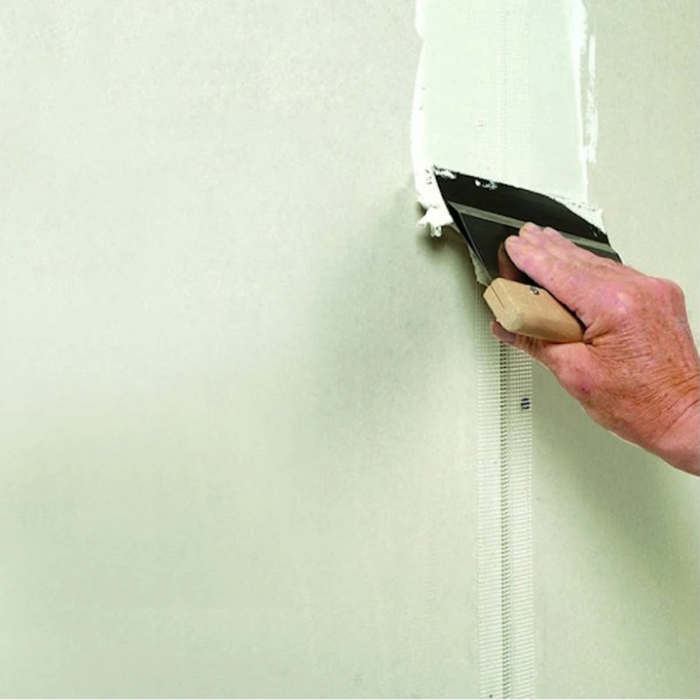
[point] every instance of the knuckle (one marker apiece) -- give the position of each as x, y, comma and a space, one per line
534, 260
630, 297
527, 345
670, 290
624, 301
565, 274
591, 260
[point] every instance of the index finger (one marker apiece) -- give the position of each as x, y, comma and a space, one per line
566, 277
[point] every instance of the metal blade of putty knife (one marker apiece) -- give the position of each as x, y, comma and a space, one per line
486, 213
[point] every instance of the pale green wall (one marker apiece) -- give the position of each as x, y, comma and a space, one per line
237, 385
235, 379
616, 531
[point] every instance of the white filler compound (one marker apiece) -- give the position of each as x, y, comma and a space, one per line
493, 116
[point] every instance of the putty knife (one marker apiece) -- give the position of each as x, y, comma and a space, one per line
486, 213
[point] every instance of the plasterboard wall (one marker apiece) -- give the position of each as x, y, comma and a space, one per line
237, 409
616, 531
238, 385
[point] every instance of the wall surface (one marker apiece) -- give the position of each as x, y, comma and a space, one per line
238, 385
236, 379
616, 531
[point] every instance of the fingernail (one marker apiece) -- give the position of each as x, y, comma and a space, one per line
502, 334
530, 228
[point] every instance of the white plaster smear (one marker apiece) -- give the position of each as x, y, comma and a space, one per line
500, 94
591, 122
436, 214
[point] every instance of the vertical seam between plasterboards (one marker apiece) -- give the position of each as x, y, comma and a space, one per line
505, 567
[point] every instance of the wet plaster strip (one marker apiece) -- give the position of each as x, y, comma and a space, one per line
505, 90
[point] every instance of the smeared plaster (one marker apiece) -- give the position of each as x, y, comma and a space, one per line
503, 107
583, 54
436, 214
591, 121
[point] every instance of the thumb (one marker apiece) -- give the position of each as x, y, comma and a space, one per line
534, 347
569, 362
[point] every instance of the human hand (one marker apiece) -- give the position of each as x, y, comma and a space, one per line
637, 371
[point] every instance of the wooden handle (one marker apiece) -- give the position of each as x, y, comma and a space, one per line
533, 311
